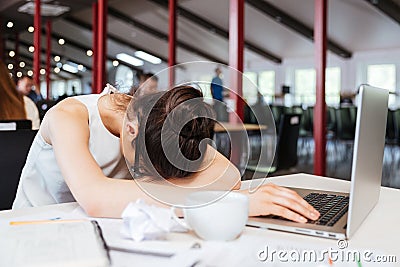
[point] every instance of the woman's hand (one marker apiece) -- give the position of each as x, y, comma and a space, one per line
271, 199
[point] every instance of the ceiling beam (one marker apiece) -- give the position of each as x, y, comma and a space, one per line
388, 7
163, 36
43, 50
72, 43
206, 24
296, 25
114, 38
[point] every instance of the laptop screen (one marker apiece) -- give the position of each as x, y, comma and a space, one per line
367, 164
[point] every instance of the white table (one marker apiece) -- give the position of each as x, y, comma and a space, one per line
380, 232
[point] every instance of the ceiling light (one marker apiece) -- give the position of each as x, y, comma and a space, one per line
57, 69
46, 10
10, 66
59, 64
10, 24
89, 53
76, 66
57, 58
30, 73
11, 53
148, 57
22, 64
19, 74
70, 68
31, 29
61, 41
42, 71
31, 49
115, 63
130, 60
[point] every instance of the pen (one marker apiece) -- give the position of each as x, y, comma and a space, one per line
150, 253
56, 220
142, 252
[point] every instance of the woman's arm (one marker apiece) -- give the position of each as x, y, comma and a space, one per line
216, 170
268, 199
66, 129
277, 200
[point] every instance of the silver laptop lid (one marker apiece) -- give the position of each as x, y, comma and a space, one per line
369, 145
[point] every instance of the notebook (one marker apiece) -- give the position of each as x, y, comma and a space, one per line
58, 243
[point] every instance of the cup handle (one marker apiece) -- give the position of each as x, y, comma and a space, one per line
181, 222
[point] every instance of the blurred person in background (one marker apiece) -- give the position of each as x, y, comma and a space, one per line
216, 86
13, 105
27, 87
217, 92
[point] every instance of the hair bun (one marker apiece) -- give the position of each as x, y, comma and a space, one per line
174, 121
189, 116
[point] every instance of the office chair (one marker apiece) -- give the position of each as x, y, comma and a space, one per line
18, 124
391, 142
277, 112
345, 130
287, 142
14, 148
43, 106
286, 152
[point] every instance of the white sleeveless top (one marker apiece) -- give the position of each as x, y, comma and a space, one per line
41, 181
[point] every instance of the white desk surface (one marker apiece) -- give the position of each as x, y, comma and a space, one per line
380, 232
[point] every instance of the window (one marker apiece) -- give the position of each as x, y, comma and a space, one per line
383, 76
204, 83
266, 84
62, 87
250, 87
332, 86
74, 87
124, 78
305, 84
43, 88
58, 88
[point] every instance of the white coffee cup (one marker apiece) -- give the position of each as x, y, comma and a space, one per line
216, 215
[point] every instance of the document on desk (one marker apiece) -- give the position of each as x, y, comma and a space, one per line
53, 244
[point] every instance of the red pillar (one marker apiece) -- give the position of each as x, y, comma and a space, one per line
172, 41
48, 57
94, 46
36, 44
101, 45
320, 28
236, 49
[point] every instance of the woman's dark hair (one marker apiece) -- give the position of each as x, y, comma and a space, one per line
175, 118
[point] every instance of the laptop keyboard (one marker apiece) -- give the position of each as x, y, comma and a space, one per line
331, 207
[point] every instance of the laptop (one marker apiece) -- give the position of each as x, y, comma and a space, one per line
343, 213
